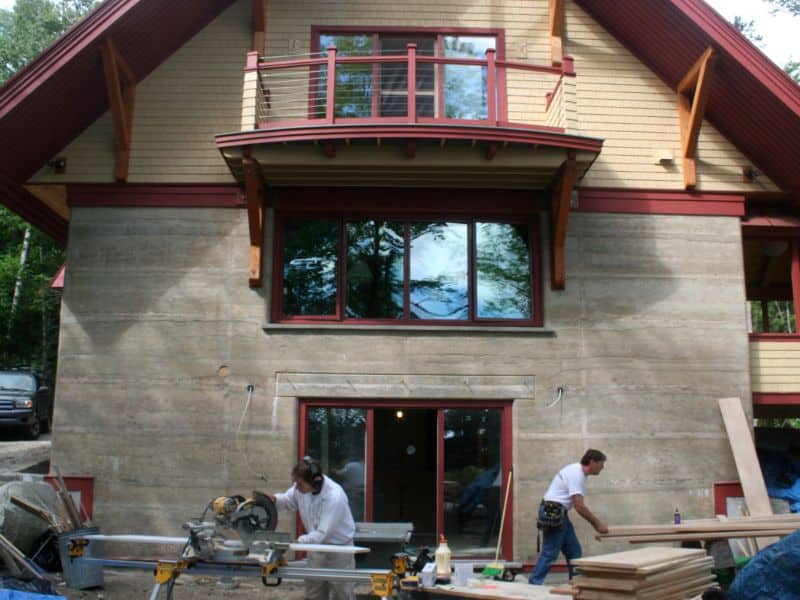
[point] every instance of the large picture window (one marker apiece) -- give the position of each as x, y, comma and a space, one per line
457, 271
381, 90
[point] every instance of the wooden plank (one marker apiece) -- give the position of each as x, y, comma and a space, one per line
43, 514
744, 455
632, 560
711, 535
623, 584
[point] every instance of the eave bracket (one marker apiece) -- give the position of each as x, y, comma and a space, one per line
254, 194
121, 90
559, 215
556, 10
697, 83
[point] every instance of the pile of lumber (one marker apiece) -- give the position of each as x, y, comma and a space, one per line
652, 573
719, 528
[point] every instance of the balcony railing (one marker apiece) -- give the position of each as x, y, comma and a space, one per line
328, 88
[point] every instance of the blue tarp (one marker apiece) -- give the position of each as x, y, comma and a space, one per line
17, 595
772, 574
782, 476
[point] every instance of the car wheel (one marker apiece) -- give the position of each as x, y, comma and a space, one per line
34, 430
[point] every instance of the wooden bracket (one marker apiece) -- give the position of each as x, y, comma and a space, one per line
254, 194
559, 215
121, 89
556, 9
696, 82
259, 26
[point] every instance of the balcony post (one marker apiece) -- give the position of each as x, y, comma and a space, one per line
330, 88
412, 83
250, 98
491, 86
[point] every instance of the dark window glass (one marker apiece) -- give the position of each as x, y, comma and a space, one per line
375, 251
439, 271
354, 83
502, 259
309, 267
768, 274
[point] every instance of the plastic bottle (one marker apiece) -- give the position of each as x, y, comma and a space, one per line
442, 555
676, 518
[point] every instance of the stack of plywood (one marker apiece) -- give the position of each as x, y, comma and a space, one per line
652, 573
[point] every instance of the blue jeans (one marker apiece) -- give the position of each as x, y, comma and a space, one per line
562, 539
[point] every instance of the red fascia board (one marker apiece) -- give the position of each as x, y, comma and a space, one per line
418, 131
179, 195
776, 399
775, 337
30, 208
57, 282
660, 202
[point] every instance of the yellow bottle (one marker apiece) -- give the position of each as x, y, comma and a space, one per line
442, 555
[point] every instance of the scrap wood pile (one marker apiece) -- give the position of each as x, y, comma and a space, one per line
652, 573
720, 528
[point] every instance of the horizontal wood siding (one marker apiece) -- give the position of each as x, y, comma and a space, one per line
775, 366
198, 93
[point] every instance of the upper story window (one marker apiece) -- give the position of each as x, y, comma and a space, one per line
449, 91
407, 270
772, 277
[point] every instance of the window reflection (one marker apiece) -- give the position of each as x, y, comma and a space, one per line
502, 258
465, 85
375, 251
309, 267
439, 271
337, 438
473, 479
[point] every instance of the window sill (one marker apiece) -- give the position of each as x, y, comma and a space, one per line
410, 329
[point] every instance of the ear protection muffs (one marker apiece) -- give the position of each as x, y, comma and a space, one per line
316, 474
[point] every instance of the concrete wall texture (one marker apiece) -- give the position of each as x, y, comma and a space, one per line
161, 335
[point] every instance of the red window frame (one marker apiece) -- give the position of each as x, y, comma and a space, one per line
439, 32
534, 249
305, 404
794, 241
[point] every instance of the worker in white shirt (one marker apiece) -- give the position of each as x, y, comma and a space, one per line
325, 511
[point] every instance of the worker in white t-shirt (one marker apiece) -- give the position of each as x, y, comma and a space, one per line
566, 491
323, 507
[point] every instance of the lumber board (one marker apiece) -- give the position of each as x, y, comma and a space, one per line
728, 525
711, 535
701, 565
641, 558
744, 455
688, 586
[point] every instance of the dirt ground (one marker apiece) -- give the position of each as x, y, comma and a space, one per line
132, 584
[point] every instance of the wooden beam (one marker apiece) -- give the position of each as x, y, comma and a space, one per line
698, 81
259, 26
121, 100
411, 148
565, 181
556, 10
254, 193
491, 151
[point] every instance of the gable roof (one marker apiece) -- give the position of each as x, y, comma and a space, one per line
58, 95
752, 101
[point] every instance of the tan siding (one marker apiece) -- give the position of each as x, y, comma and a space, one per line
775, 366
198, 93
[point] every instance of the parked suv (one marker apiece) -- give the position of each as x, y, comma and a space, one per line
25, 401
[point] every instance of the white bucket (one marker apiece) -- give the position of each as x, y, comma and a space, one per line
463, 571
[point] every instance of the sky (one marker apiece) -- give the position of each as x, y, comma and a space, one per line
781, 41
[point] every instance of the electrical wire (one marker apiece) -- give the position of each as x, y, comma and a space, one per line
250, 389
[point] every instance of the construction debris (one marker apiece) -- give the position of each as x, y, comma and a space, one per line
652, 573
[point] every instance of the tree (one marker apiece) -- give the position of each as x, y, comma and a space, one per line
29, 310
790, 6
748, 29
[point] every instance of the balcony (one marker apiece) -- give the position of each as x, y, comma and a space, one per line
465, 122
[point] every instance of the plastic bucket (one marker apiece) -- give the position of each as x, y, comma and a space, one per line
463, 571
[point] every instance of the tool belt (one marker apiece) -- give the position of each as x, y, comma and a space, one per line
551, 515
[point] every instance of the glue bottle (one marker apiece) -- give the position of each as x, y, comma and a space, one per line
442, 555
676, 518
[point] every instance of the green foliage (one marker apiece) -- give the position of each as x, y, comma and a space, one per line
748, 28
790, 6
29, 334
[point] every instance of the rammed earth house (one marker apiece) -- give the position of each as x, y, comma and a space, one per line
439, 239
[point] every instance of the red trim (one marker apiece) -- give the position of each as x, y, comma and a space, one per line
440, 459
776, 399
369, 506
796, 281
57, 282
660, 202
83, 484
313, 130
722, 491
174, 195
775, 337
507, 445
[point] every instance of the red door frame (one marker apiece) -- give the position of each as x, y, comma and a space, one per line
506, 446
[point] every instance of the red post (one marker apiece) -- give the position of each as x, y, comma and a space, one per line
491, 86
568, 65
252, 61
330, 98
796, 282
412, 83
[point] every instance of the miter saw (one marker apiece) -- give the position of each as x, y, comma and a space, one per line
240, 527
